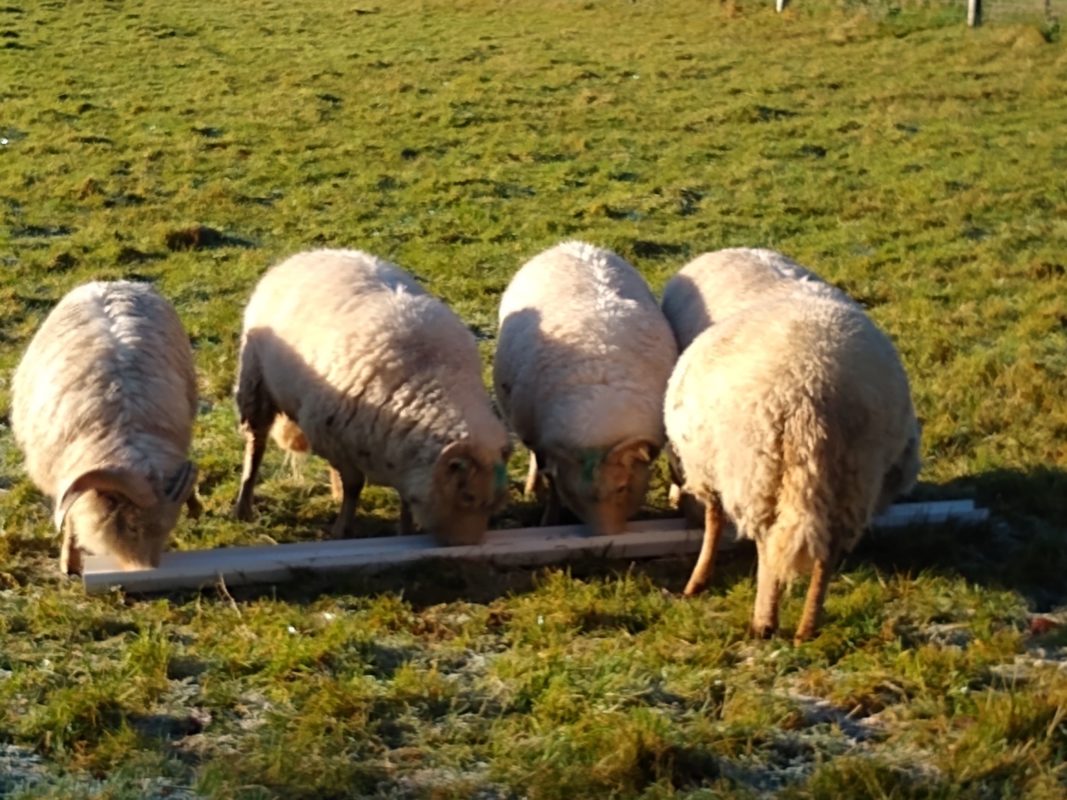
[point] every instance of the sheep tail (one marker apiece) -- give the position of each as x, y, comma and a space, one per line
802, 532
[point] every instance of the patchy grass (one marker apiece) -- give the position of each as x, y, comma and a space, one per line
912, 162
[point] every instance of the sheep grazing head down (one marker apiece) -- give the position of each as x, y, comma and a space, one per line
118, 511
604, 487
469, 484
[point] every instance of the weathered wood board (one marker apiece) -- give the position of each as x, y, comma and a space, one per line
523, 547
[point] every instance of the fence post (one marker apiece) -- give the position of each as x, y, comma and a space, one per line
779, 5
974, 13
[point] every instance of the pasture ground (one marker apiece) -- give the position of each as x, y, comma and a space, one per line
916, 164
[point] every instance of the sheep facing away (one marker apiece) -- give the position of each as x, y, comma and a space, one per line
715, 285
582, 361
103, 407
710, 288
367, 370
792, 417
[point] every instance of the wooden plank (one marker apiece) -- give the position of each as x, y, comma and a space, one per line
524, 547
277, 563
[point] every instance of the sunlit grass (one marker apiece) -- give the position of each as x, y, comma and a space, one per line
914, 163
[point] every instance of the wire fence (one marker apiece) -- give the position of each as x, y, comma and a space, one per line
1038, 11
1048, 14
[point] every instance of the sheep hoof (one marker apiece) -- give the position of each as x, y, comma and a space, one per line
343, 529
764, 631
243, 512
693, 588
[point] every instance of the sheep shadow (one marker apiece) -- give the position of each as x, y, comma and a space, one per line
1023, 547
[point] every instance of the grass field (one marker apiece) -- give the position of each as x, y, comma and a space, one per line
916, 164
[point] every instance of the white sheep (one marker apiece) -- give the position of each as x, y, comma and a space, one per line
715, 285
582, 362
794, 418
103, 407
380, 379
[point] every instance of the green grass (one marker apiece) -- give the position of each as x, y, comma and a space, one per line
915, 163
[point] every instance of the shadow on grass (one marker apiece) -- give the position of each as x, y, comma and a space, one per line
1022, 549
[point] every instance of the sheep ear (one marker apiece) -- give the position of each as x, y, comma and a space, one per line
634, 450
131, 485
182, 482
455, 459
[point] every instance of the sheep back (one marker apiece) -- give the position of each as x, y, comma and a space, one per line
584, 353
797, 413
715, 285
107, 379
103, 407
373, 370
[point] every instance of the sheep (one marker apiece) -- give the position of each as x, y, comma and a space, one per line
367, 370
582, 362
792, 417
717, 284
102, 408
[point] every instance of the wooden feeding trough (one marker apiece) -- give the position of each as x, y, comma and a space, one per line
523, 547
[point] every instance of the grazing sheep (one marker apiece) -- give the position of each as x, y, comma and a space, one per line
581, 365
380, 379
103, 407
715, 285
794, 418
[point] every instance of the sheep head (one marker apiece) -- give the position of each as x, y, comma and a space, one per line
604, 487
469, 483
118, 511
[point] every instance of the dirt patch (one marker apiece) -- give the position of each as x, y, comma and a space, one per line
201, 237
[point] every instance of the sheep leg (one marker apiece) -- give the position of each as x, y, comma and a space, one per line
706, 561
193, 505
674, 496
407, 522
768, 595
255, 446
532, 484
551, 512
352, 485
70, 555
813, 602
337, 491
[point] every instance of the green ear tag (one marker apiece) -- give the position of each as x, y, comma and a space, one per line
500, 474
590, 461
